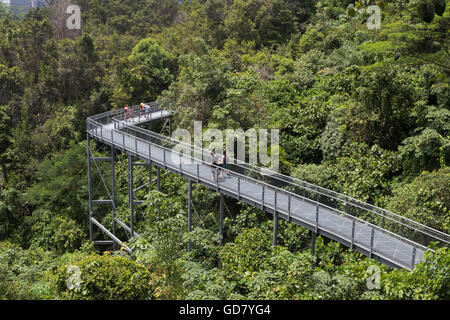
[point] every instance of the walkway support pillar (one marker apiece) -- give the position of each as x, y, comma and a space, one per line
190, 212
113, 189
221, 218
130, 193
150, 171
275, 229
158, 178
275, 221
170, 126
313, 242
91, 233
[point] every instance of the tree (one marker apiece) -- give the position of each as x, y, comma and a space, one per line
134, 17
59, 17
430, 279
243, 104
104, 278
13, 211
427, 151
365, 173
29, 147
23, 272
360, 171
57, 232
2, 10
215, 11
247, 254
149, 71
427, 10
269, 23
4, 143
275, 23
408, 38
77, 70
200, 85
60, 184
381, 114
11, 82
425, 200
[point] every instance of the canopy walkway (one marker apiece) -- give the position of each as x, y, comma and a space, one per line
377, 233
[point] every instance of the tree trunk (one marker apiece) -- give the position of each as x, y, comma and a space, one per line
4, 175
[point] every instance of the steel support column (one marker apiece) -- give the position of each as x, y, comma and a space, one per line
275, 221
130, 192
190, 212
113, 189
170, 126
91, 231
221, 218
313, 242
158, 181
150, 171
275, 229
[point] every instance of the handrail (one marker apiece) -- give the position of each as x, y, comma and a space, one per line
163, 142
279, 190
384, 214
441, 236
282, 191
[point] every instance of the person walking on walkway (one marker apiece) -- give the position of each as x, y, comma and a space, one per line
147, 111
223, 165
214, 163
126, 110
142, 106
130, 112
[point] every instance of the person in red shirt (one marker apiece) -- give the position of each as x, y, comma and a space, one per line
127, 110
130, 112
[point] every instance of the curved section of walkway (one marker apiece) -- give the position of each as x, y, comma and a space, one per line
374, 237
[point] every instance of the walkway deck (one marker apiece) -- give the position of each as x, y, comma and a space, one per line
373, 241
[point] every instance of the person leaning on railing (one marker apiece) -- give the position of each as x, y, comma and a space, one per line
214, 163
147, 111
142, 106
127, 111
223, 165
130, 113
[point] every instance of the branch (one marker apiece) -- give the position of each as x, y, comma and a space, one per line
446, 50
431, 61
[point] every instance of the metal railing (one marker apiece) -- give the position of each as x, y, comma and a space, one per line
378, 216
142, 142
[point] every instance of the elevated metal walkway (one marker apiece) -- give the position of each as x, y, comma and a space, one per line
379, 234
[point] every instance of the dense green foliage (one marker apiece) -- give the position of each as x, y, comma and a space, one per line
362, 112
108, 278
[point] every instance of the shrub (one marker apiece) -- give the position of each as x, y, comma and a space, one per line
103, 278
